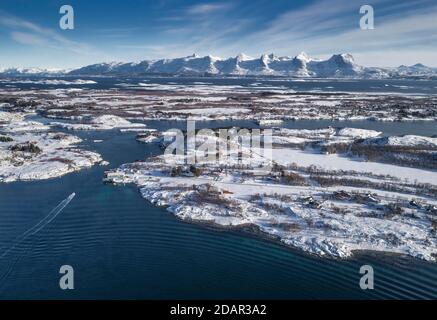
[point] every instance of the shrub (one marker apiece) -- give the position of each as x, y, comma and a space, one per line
293, 178
287, 226
26, 147
62, 160
394, 209
6, 139
196, 171
434, 226
335, 148
392, 239
58, 136
176, 171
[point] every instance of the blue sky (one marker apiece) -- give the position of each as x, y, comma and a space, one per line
131, 30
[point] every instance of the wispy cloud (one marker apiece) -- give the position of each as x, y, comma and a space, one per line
202, 28
29, 33
27, 38
207, 8
327, 27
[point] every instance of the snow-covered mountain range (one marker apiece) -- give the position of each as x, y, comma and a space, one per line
32, 71
337, 66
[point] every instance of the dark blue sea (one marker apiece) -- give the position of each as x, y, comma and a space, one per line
401, 86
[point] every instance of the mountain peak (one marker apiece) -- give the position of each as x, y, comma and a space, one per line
420, 65
266, 58
193, 56
213, 58
243, 57
303, 56
346, 57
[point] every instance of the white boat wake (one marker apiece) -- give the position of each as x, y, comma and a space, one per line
41, 224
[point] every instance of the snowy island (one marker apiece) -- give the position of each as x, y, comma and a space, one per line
28, 151
321, 195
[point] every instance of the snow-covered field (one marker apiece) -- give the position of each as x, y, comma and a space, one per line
105, 122
339, 162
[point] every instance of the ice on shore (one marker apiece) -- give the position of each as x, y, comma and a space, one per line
270, 122
24, 126
104, 122
358, 133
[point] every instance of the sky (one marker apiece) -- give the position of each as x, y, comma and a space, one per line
405, 31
